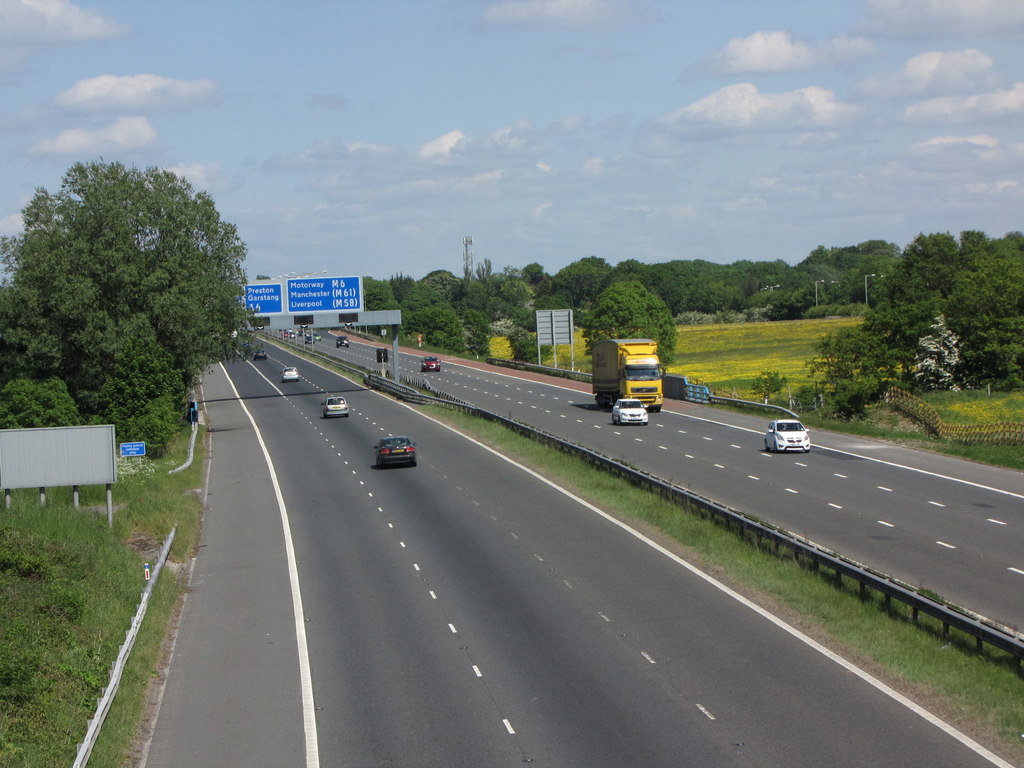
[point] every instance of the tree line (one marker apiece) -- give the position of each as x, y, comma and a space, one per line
461, 313
943, 312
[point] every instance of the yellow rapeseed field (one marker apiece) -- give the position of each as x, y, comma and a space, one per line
727, 356
730, 356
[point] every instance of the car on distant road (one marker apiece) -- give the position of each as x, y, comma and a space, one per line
341, 341
629, 411
787, 435
430, 364
335, 406
309, 338
394, 450
289, 373
259, 354
317, 337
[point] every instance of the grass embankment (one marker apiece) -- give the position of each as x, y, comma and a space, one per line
980, 693
69, 587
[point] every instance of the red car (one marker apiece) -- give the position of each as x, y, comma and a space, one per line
430, 364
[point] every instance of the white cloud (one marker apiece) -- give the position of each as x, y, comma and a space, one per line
208, 177
777, 52
541, 209
478, 182
127, 133
542, 166
11, 225
742, 106
942, 143
994, 104
442, 147
568, 13
29, 26
513, 138
931, 18
996, 188
136, 92
933, 72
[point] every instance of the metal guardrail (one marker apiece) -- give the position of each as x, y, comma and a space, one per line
103, 705
984, 631
752, 404
191, 452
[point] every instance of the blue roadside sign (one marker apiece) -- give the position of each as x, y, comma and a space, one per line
325, 294
264, 298
133, 449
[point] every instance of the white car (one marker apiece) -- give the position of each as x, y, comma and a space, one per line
787, 435
629, 412
289, 373
335, 406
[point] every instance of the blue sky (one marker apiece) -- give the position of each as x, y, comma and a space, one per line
370, 136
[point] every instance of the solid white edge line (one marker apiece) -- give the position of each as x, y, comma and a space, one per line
305, 677
870, 679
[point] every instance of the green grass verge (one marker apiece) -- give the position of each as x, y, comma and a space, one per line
980, 693
69, 587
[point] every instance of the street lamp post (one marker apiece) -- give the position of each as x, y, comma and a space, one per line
866, 287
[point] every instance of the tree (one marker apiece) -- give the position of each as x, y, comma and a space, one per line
478, 333
582, 281
524, 345
445, 283
378, 294
534, 274
768, 383
855, 369
143, 398
629, 311
938, 358
25, 404
440, 326
117, 248
986, 311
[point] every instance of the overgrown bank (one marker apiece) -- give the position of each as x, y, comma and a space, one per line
69, 586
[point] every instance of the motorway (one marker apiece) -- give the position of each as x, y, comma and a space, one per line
950, 526
466, 612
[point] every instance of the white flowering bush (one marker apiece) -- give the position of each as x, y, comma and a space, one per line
938, 358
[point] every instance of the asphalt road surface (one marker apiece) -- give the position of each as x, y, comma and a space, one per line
935, 522
467, 613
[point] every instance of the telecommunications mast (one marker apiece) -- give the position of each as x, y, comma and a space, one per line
467, 256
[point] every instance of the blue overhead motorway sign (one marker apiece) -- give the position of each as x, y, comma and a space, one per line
264, 298
325, 294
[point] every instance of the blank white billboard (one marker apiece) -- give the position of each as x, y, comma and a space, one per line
57, 456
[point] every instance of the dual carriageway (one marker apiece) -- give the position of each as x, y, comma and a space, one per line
469, 612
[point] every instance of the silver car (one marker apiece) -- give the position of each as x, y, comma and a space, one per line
289, 373
335, 406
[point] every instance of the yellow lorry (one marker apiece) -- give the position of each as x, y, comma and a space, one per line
627, 368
